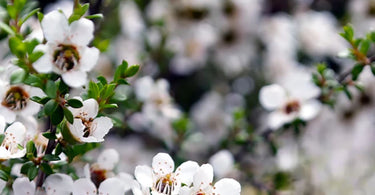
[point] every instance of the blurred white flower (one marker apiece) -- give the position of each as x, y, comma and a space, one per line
58, 184
202, 184
23, 186
86, 126
66, 50
222, 163
287, 106
14, 138
161, 179
109, 186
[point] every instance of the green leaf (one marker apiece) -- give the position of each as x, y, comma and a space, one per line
347, 93
50, 107
25, 167
102, 80
46, 168
120, 70
30, 148
57, 116
95, 16
50, 135
373, 69
3, 175
17, 76
35, 56
26, 17
93, 91
51, 89
40, 16
357, 69
58, 149
131, 71
348, 33
364, 46
32, 172
68, 115
75, 103
2, 136
17, 47
110, 106
6, 28
33, 81
31, 44
51, 157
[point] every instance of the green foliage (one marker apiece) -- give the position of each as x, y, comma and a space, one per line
75, 103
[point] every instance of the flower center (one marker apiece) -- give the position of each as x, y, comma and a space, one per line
66, 57
165, 185
16, 98
292, 106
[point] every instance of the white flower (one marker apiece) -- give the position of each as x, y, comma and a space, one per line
202, 184
58, 184
15, 101
86, 126
23, 186
112, 186
66, 50
161, 179
14, 138
287, 106
222, 162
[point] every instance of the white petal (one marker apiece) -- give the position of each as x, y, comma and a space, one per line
185, 191
76, 129
55, 26
143, 87
101, 126
2, 124
222, 162
75, 78
58, 184
84, 186
18, 131
45, 63
89, 58
162, 164
272, 96
310, 109
203, 177
228, 187
128, 181
81, 32
143, 174
22, 186
185, 172
90, 108
2, 185
108, 159
277, 119
9, 115
112, 186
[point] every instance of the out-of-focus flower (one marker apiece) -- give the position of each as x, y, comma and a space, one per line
66, 50
161, 179
86, 126
287, 106
59, 184
22, 185
222, 163
14, 137
202, 184
109, 186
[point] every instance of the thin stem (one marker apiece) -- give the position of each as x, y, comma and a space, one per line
50, 146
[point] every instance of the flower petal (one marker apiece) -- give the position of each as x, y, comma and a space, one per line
272, 96
276, 119
310, 109
58, 184
203, 177
227, 186
162, 164
89, 58
2, 124
76, 129
108, 159
17, 131
22, 185
45, 63
75, 78
143, 174
84, 186
101, 126
81, 32
185, 172
55, 26
112, 186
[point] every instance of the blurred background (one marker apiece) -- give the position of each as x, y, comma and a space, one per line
203, 63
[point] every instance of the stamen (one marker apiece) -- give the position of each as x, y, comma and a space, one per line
66, 57
16, 98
